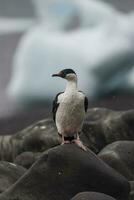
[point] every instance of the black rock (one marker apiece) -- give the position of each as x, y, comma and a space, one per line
35, 138
103, 126
131, 196
120, 156
92, 196
26, 159
9, 174
64, 171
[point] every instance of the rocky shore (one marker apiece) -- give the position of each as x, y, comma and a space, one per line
34, 166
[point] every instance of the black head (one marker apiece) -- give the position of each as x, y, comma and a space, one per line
64, 73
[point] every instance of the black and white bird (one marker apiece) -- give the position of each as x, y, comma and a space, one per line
69, 109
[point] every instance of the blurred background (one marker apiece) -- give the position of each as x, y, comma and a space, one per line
38, 38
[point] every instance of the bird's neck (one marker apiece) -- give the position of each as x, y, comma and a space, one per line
71, 86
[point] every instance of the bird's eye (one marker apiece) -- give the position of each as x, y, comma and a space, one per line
61, 74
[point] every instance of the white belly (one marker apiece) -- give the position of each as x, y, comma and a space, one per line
70, 115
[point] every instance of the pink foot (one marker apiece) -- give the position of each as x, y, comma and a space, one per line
65, 142
79, 143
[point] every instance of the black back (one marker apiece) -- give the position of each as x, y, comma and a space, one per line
55, 105
86, 104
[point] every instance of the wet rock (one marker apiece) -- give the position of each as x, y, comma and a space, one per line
64, 171
26, 159
36, 138
101, 127
119, 155
92, 196
131, 196
9, 174
104, 126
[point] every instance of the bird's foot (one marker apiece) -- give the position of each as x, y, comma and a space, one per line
65, 142
79, 143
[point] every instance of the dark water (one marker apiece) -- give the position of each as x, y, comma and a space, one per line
16, 8
23, 8
123, 5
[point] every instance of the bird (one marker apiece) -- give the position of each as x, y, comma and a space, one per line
69, 109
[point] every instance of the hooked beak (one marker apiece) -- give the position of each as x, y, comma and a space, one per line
53, 75
59, 75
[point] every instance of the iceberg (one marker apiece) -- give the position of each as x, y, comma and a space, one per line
89, 36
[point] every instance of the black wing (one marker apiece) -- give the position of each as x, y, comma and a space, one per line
86, 104
55, 105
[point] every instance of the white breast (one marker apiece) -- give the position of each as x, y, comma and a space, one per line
70, 113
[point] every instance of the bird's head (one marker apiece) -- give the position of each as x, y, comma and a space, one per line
67, 74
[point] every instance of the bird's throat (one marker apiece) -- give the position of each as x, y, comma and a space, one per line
71, 86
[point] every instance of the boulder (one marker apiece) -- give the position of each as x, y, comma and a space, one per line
92, 196
119, 155
26, 159
36, 138
131, 196
9, 174
103, 126
64, 171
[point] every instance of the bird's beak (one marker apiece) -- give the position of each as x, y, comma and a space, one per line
53, 75
59, 75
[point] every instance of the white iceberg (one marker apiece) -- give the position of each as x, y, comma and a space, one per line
89, 36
